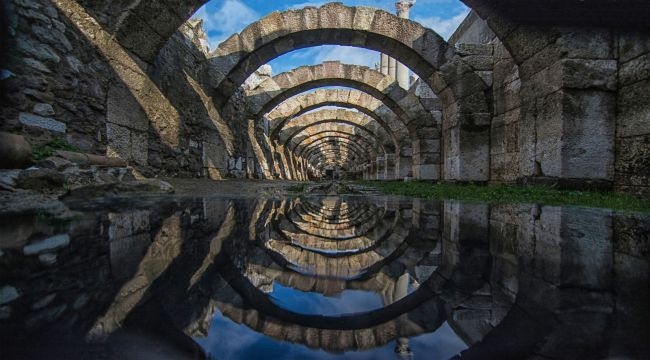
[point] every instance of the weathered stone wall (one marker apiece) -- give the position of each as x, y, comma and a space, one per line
502, 74
569, 107
68, 78
55, 84
565, 105
633, 114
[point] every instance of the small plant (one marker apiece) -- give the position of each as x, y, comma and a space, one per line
510, 193
43, 151
297, 188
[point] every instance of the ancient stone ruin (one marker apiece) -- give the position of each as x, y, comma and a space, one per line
551, 92
115, 115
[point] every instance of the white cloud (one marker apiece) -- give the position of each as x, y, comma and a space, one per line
232, 17
309, 3
348, 55
318, 54
444, 27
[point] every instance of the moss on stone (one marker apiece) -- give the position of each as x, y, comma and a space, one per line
48, 149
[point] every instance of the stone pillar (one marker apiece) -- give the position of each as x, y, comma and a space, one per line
381, 168
404, 167
391, 67
426, 154
383, 64
390, 167
403, 8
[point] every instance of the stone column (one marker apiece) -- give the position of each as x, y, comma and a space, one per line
403, 8
391, 67
381, 168
390, 167
383, 64
426, 154
404, 166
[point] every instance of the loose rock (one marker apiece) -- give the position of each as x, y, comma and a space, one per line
47, 245
15, 151
40, 179
8, 294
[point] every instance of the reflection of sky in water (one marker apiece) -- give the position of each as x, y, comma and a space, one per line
345, 302
229, 340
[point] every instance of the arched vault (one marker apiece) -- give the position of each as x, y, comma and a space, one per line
284, 95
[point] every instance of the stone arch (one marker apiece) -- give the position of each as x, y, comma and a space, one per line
395, 166
142, 27
271, 95
420, 48
464, 94
368, 151
397, 148
346, 147
366, 125
296, 125
303, 143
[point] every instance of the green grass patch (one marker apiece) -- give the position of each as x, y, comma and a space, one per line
509, 193
44, 151
297, 188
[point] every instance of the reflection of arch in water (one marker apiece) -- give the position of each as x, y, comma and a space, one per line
208, 292
305, 217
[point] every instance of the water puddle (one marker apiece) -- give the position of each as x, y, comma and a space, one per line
323, 277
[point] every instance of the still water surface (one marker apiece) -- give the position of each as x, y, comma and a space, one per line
324, 277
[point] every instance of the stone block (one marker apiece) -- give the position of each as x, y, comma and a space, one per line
507, 97
587, 74
426, 146
509, 117
586, 43
47, 245
215, 156
540, 61
527, 141
633, 161
43, 109
505, 71
119, 141
127, 144
633, 44
479, 62
42, 122
139, 147
528, 41
124, 109
426, 172
468, 84
588, 134
473, 49
634, 109
539, 85
549, 129
504, 139
635, 70
474, 155
37, 50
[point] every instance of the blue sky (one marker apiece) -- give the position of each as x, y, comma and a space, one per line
222, 18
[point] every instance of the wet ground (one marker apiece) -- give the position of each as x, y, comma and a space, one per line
252, 272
